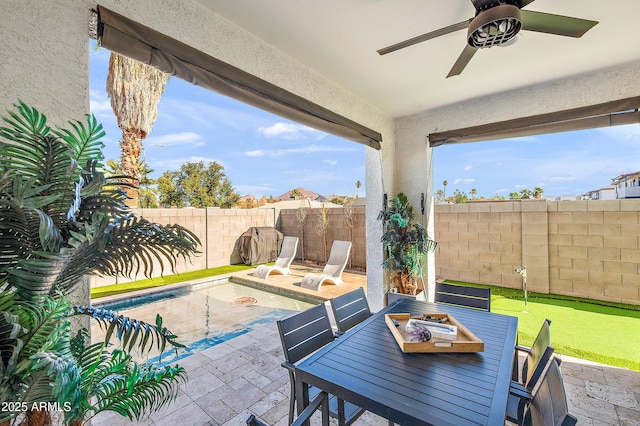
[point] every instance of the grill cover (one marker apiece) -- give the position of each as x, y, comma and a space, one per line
260, 244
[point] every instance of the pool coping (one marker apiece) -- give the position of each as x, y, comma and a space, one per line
135, 294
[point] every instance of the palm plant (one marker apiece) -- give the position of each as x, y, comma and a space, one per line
405, 243
61, 220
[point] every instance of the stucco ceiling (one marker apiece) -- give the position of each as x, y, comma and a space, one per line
339, 39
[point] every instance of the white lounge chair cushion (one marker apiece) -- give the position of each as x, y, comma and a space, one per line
283, 262
332, 271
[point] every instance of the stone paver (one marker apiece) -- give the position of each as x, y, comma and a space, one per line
230, 381
236, 378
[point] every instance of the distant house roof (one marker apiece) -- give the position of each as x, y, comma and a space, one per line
295, 204
624, 177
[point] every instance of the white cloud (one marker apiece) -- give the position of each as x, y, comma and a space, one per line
563, 178
468, 168
99, 104
306, 149
285, 130
467, 180
330, 162
173, 139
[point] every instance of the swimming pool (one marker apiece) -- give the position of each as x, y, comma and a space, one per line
205, 315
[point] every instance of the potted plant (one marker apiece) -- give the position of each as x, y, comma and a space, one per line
62, 219
405, 243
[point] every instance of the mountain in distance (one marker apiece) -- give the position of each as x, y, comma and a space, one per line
303, 194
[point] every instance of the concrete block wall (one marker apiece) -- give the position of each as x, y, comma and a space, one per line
594, 249
577, 248
218, 229
337, 229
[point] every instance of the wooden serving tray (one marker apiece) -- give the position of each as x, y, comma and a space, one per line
465, 342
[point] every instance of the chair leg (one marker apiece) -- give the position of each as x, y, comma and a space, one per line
292, 400
341, 415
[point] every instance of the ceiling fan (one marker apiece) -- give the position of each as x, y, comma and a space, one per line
497, 22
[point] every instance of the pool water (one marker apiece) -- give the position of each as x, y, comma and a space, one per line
205, 315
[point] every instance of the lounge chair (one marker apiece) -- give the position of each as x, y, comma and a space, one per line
283, 262
332, 271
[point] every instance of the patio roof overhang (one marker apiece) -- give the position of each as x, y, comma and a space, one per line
132, 39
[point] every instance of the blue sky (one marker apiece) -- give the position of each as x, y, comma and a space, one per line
264, 154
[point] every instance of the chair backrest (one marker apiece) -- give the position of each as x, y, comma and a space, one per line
338, 258
470, 297
287, 252
305, 332
538, 356
549, 404
350, 309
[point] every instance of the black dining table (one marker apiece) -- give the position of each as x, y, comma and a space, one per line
366, 367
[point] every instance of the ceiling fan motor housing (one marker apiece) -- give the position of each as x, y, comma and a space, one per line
494, 26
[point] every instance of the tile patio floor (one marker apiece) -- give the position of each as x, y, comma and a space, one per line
230, 381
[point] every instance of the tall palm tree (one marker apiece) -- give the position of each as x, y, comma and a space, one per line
135, 90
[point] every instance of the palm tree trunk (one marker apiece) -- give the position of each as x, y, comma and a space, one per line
130, 147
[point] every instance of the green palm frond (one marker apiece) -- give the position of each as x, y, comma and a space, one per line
37, 364
136, 245
131, 332
113, 382
139, 390
86, 141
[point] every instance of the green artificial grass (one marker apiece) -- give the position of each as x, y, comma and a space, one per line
608, 333
110, 290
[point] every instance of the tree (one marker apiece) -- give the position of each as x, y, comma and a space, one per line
537, 192
358, 185
135, 90
444, 190
63, 219
473, 193
195, 185
440, 195
526, 194
294, 193
321, 227
301, 218
350, 219
147, 194
460, 197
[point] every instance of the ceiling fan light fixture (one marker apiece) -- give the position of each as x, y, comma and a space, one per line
495, 26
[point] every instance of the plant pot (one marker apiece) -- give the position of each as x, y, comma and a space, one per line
393, 296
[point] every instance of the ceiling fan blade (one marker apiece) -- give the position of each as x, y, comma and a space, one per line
424, 37
555, 24
524, 3
462, 61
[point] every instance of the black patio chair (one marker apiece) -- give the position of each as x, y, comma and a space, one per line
524, 382
319, 401
538, 355
548, 405
350, 309
469, 297
301, 335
